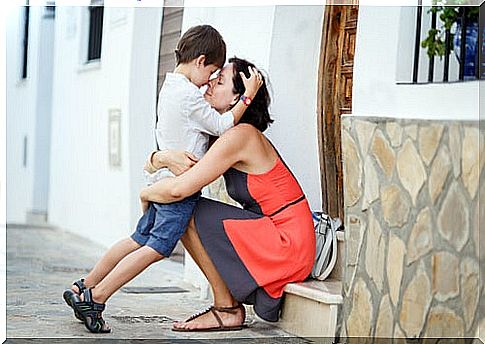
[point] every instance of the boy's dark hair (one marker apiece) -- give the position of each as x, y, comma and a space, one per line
257, 114
201, 40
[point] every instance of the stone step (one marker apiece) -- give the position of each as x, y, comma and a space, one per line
310, 308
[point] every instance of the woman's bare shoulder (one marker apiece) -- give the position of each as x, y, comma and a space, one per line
242, 130
238, 137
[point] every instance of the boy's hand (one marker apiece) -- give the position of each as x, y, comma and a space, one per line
176, 161
179, 162
253, 83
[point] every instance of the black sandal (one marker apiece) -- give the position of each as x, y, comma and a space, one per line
71, 297
91, 313
221, 327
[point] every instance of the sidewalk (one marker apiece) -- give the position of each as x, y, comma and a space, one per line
41, 263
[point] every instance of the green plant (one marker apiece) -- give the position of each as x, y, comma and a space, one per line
435, 43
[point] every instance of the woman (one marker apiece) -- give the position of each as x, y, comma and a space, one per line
248, 255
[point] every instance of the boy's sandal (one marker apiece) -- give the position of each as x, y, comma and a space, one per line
70, 296
91, 313
221, 327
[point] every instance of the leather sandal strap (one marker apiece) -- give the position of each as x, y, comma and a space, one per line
218, 318
231, 310
196, 315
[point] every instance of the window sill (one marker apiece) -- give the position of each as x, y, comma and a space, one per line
22, 82
454, 82
89, 66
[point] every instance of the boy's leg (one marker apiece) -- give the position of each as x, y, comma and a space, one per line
120, 250
109, 260
128, 268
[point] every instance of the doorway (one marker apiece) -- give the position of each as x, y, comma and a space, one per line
335, 98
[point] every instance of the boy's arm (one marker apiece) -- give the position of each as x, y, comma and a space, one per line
176, 161
212, 122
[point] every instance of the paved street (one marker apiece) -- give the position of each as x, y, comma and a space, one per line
42, 262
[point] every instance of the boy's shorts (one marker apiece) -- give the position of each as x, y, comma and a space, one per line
162, 225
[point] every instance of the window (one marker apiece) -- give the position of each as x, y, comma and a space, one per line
95, 32
50, 11
445, 45
25, 40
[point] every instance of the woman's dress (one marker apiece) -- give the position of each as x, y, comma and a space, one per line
267, 244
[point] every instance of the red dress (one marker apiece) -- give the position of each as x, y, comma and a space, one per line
267, 244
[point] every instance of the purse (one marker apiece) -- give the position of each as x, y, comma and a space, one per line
326, 244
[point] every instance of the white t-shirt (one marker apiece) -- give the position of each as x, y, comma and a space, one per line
185, 120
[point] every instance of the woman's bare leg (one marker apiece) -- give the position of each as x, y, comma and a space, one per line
109, 260
222, 294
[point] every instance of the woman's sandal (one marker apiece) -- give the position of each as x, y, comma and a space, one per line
91, 313
221, 327
70, 296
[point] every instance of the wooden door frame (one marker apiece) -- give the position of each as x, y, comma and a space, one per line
327, 105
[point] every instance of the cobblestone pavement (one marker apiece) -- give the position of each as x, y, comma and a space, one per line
41, 264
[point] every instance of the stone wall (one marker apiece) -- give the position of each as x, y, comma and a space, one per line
412, 264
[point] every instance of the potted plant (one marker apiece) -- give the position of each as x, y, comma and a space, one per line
451, 17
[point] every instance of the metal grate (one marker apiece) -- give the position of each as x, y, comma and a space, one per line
62, 268
147, 319
153, 290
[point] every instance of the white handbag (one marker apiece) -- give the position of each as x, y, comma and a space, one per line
326, 244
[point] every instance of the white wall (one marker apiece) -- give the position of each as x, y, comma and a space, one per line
21, 101
247, 31
293, 72
87, 195
142, 98
375, 92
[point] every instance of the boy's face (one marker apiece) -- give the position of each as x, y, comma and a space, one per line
204, 73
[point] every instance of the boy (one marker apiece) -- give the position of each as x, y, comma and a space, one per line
185, 120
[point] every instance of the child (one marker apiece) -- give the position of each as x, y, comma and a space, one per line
185, 121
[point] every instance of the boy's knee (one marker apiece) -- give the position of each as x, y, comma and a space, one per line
131, 242
154, 255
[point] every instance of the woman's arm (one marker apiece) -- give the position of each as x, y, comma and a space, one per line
224, 153
176, 161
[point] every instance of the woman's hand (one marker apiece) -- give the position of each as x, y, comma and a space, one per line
253, 83
176, 161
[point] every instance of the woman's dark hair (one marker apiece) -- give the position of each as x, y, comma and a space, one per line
257, 114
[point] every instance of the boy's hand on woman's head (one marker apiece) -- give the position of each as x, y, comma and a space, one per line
253, 83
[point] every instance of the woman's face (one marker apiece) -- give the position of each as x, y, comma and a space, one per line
219, 92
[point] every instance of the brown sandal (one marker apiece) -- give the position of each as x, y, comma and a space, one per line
221, 327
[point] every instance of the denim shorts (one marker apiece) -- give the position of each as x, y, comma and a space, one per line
162, 225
